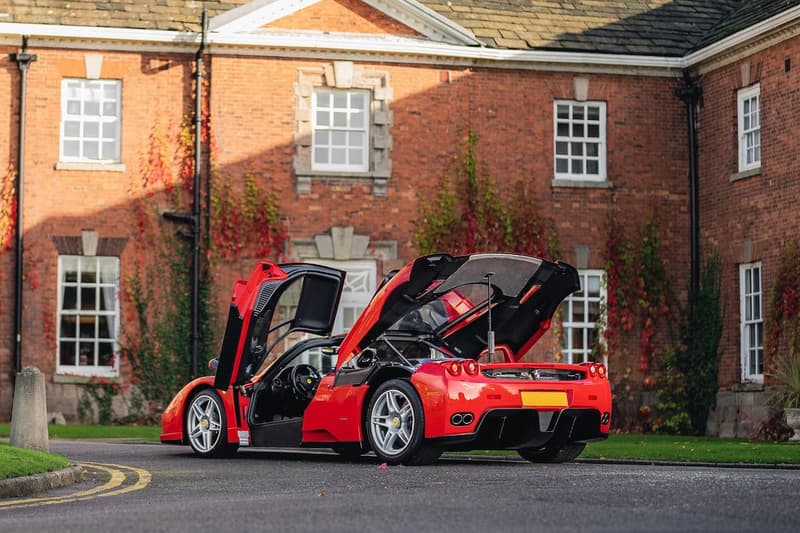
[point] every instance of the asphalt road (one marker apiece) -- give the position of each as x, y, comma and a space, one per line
279, 491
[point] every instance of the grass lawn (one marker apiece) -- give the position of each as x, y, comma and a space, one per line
695, 449
75, 431
16, 462
639, 447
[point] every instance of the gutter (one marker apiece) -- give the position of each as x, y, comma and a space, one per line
23, 60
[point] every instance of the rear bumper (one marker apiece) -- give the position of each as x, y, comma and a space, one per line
512, 429
476, 412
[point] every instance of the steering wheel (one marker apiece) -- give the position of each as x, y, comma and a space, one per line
304, 379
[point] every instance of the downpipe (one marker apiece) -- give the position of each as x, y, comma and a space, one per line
23, 60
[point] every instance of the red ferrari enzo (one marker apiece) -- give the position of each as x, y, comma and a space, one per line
432, 364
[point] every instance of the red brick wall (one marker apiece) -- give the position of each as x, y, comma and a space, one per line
252, 105
761, 208
341, 16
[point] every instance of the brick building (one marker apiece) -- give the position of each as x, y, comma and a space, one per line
352, 113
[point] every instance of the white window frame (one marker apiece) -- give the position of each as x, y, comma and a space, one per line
749, 127
581, 142
113, 317
751, 321
109, 118
568, 352
348, 129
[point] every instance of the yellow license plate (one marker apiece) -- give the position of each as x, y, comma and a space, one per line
544, 398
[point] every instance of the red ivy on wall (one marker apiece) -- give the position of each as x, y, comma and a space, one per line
8, 209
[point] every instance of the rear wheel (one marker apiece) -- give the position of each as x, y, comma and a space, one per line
553, 454
395, 425
206, 425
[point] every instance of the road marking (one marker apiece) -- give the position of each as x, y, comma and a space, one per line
113, 487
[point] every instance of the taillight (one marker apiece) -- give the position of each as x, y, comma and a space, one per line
454, 368
471, 367
601, 371
592, 370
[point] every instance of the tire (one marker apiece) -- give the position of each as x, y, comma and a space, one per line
553, 454
395, 425
206, 425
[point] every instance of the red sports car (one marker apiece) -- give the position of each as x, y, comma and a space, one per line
431, 364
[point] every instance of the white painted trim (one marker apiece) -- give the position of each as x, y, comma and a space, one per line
746, 376
741, 96
396, 49
254, 15
742, 37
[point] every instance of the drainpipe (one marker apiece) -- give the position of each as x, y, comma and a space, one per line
690, 94
193, 219
23, 60
198, 120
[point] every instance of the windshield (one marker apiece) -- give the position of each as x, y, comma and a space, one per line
449, 306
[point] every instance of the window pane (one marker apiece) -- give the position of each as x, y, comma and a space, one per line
320, 155
73, 107
562, 111
593, 286
91, 108
562, 129
87, 330
322, 137
105, 353
86, 353
66, 351
562, 148
592, 167
340, 119
91, 129
357, 101
90, 149
593, 131
338, 156
356, 139
323, 99
340, 99
88, 298
110, 109
578, 311
339, 138
577, 130
68, 329
577, 112
577, 338
69, 298
72, 148
110, 150
357, 120
577, 166
110, 91
323, 118
592, 149
577, 148
593, 112
562, 165
356, 156
72, 128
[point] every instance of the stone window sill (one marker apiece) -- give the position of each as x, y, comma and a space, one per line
746, 174
65, 379
581, 184
92, 167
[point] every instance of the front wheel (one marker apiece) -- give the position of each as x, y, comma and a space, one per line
395, 425
206, 425
553, 454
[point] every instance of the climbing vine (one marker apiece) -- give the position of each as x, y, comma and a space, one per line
469, 214
783, 320
8, 209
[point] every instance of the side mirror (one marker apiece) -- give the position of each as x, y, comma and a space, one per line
366, 359
213, 364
